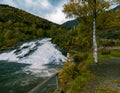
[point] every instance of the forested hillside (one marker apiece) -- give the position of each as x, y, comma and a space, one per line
70, 24
17, 25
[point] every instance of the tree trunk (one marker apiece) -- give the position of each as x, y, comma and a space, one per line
94, 42
95, 50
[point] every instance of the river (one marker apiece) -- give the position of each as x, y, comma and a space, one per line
30, 63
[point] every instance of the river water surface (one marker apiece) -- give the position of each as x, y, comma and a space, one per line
27, 65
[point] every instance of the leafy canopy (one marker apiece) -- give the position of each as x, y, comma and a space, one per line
81, 8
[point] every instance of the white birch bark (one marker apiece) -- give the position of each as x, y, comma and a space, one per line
95, 50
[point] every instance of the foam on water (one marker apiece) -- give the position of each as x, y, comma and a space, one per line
8, 56
37, 54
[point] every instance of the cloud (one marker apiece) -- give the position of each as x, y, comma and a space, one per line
57, 16
48, 9
8, 2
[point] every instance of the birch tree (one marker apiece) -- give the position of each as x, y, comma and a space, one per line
86, 11
95, 53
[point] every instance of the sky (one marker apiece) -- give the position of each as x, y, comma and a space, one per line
47, 9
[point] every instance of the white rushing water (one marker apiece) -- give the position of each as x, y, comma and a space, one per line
36, 53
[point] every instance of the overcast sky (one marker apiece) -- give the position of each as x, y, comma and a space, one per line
48, 9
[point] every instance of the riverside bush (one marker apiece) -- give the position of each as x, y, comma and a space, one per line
74, 75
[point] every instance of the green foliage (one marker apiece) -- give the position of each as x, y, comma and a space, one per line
108, 22
105, 51
74, 75
109, 42
117, 82
17, 25
80, 57
83, 11
68, 73
83, 8
78, 39
80, 82
70, 24
113, 53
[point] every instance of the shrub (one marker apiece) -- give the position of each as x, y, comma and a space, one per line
67, 73
74, 74
80, 82
80, 57
105, 51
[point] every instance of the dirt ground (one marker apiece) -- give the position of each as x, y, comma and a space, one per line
107, 77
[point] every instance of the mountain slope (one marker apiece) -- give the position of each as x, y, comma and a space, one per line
70, 24
17, 25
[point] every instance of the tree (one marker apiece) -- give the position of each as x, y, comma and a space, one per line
86, 11
95, 53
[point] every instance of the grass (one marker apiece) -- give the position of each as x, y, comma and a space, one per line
113, 53
80, 82
108, 70
117, 82
106, 89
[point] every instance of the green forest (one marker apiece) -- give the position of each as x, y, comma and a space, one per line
73, 37
18, 26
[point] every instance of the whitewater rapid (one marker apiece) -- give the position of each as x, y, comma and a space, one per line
38, 54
